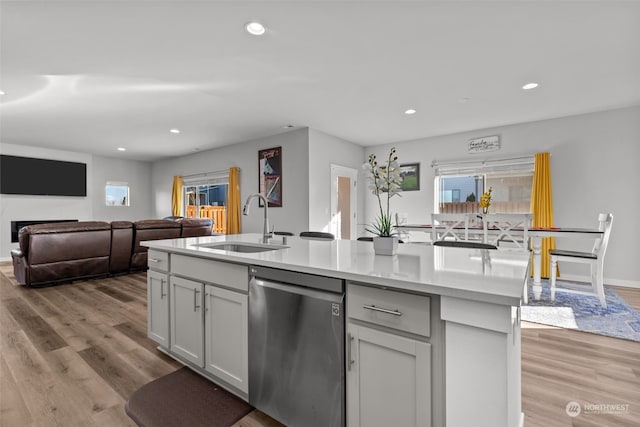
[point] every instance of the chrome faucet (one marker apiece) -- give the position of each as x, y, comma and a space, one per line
266, 234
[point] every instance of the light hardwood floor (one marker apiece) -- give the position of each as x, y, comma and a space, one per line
70, 355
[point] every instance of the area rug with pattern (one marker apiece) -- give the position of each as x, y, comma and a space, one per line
583, 312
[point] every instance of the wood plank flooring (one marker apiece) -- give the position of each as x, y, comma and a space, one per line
70, 355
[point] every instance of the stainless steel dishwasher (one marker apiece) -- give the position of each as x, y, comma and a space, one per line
296, 347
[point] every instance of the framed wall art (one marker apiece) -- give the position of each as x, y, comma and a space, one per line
270, 175
410, 174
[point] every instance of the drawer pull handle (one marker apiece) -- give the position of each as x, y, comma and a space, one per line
156, 260
383, 310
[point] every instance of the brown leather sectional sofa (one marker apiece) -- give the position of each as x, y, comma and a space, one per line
63, 252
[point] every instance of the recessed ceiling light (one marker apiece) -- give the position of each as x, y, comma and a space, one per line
255, 28
410, 111
529, 86
174, 130
122, 149
1, 92
289, 126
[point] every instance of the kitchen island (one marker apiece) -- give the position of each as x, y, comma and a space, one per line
432, 333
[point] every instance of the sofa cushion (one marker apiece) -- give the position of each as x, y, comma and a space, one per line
44, 243
154, 229
151, 229
192, 227
121, 246
65, 251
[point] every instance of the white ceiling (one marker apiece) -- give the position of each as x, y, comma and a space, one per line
91, 76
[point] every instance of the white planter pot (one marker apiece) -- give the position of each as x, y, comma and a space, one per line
385, 245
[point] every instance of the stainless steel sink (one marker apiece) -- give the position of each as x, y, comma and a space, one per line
241, 247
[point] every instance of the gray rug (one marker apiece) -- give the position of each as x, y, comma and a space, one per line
584, 313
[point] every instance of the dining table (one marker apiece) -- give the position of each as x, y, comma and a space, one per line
535, 233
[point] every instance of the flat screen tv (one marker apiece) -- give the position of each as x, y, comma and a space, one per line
42, 177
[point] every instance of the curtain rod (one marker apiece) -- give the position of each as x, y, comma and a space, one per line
204, 174
482, 162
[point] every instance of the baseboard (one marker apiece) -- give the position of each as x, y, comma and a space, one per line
3, 259
607, 281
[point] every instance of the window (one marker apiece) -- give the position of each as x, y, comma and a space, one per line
205, 196
459, 185
116, 193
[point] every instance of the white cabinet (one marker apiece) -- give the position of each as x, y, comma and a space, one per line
388, 379
198, 310
388, 358
226, 336
158, 307
187, 321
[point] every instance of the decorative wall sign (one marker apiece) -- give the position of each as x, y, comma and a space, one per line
270, 175
484, 144
410, 174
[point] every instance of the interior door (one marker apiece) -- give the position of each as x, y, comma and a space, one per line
344, 203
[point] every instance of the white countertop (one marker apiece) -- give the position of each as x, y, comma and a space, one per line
475, 274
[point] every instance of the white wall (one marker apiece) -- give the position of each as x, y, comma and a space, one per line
91, 207
594, 167
325, 150
136, 174
292, 216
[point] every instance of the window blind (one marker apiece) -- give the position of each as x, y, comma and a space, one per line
207, 178
474, 167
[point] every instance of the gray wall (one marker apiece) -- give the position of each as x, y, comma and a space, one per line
325, 150
593, 159
136, 174
594, 167
99, 170
293, 216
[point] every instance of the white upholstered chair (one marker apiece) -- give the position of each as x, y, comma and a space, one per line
595, 259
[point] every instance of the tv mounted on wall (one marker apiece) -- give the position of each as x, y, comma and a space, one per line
42, 177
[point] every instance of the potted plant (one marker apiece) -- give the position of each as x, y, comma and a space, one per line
384, 179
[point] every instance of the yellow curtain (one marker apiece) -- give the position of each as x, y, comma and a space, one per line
176, 196
233, 201
542, 206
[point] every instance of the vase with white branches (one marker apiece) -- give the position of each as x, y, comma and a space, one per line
384, 182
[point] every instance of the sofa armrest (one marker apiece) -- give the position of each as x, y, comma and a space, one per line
20, 270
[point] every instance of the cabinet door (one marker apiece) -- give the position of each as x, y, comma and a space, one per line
187, 320
226, 332
388, 379
158, 307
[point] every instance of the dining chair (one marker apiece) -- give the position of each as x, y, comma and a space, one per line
317, 235
509, 228
512, 232
370, 239
450, 226
464, 244
595, 259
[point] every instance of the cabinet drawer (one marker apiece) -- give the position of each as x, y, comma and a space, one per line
225, 274
405, 312
158, 260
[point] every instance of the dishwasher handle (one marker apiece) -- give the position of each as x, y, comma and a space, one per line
297, 289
